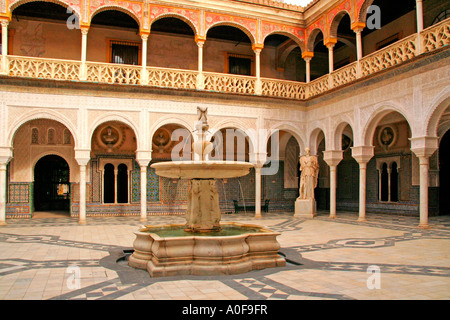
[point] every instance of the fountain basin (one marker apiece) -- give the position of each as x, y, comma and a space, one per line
167, 250
202, 169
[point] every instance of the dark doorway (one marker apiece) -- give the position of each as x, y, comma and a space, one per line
51, 184
444, 174
109, 184
122, 184
384, 183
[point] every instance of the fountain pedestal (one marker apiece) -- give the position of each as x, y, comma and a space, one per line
203, 211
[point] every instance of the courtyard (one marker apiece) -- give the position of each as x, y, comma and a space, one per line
385, 257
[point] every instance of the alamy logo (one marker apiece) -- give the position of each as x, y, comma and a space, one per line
373, 17
73, 22
374, 280
74, 279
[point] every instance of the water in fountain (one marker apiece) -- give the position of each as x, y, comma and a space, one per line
203, 245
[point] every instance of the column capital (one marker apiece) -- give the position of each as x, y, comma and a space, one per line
144, 33
330, 42
362, 154
5, 18
333, 157
5, 155
258, 159
200, 39
358, 26
143, 158
424, 147
83, 156
307, 55
84, 27
257, 47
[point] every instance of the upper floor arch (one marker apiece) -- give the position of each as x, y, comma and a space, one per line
73, 7
119, 8
173, 17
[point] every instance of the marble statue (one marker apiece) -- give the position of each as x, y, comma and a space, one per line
309, 166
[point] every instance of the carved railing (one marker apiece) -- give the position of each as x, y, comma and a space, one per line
171, 78
30, 67
390, 56
345, 75
229, 83
113, 73
283, 89
436, 36
318, 86
432, 38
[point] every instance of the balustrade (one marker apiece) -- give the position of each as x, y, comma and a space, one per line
171, 78
112, 73
390, 56
29, 67
283, 89
229, 83
430, 39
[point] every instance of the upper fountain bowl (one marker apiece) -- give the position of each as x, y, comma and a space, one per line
202, 169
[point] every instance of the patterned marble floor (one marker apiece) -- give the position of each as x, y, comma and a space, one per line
387, 257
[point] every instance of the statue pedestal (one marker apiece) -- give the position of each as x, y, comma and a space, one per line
305, 208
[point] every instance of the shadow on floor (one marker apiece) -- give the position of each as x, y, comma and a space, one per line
51, 214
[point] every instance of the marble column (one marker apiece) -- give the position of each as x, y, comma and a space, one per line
258, 191
362, 155
84, 33
200, 77
307, 56
82, 156
4, 46
424, 147
308, 69
419, 13
144, 38
82, 213
333, 158
3, 189
330, 43
143, 158
424, 183
257, 50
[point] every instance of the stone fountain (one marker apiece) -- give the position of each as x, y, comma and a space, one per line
204, 246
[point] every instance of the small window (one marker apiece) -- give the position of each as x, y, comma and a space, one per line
388, 41
441, 16
67, 137
34, 136
239, 64
125, 52
51, 136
